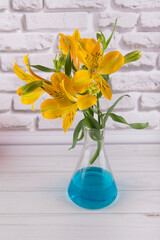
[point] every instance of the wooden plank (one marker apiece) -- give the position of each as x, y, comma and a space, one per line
59, 181
82, 226
62, 150
68, 163
59, 202
123, 136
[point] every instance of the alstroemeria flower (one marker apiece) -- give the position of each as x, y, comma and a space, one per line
70, 42
90, 54
65, 102
35, 91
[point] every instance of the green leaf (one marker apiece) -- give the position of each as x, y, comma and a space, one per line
82, 135
42, 68
112, 107
91, 122
110, 37
30, 87
99, 95
105, 77
120, 119
76, 133
68, 64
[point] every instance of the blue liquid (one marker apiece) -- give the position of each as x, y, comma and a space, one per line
92, 188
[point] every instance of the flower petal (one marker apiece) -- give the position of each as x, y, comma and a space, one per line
26, 61
58, 78
111, 63
30, 97
50, 109
104, 86
23, 75
76, 35
86, 101
64, 44
81, 81
69, 118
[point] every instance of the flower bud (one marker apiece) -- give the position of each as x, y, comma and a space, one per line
132, 56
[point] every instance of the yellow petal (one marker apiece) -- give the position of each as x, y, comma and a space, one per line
67, 89
31, 97
111, 63
76, 35
86, 45
50, 109
26, 61
86, 101
23, 75
104, 86
82, 56
94, 58
57, 79
81, 81
64, 44
69, 118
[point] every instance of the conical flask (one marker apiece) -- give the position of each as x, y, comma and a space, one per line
92, 185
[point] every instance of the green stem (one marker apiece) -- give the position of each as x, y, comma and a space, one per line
99, 117
99, 145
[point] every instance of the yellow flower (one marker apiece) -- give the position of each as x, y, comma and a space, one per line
31, 96
65, 102
90, 54
70, 42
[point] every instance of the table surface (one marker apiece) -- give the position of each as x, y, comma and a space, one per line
34, 204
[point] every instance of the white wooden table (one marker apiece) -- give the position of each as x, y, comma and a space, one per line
34, 204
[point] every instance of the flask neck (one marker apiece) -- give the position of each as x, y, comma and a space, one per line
92, 136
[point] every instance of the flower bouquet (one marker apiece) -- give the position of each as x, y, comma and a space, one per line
79, 79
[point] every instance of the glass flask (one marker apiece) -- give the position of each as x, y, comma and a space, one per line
92, 185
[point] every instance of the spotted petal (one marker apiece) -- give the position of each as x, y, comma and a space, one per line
23, 75
69, 118
104, 86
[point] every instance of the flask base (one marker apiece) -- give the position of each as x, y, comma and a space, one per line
92, 188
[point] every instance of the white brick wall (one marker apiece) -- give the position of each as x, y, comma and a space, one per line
32, 27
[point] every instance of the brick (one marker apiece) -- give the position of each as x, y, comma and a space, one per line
5, 100
9, 22
9, 121
137, 4
9, 83
135, 82
125, 21
126, 104
42, 59
8, 60
141, 40
150, 101
4, 4
69, 20
53, 124
136, 117
158, 62
147, 62
22, 5
74, 4
26, 42
150, 20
